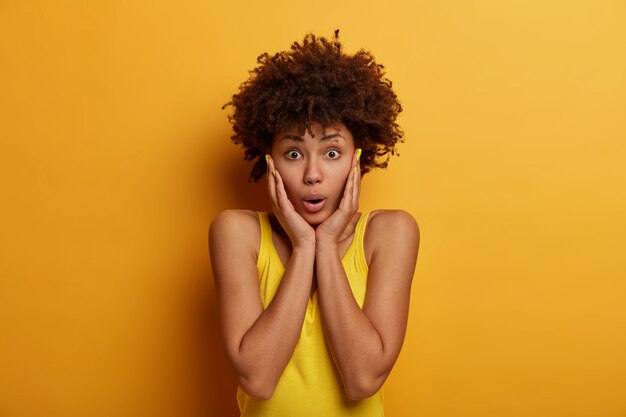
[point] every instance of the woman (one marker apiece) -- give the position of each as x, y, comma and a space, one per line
313, 298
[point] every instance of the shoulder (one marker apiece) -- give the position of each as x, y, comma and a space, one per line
386, 222
233, 224
233, 217
389, 230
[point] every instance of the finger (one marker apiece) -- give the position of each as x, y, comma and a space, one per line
281, 194
347, 198
357, 189
357, 181
271, 183
356, 171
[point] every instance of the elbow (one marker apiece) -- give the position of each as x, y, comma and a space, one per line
363, 387
258, 388
257, 381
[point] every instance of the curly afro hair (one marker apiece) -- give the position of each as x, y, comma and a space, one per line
316, 81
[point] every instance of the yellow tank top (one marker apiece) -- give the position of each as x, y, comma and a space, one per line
310, 384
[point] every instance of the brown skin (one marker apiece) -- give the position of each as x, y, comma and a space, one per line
314, 166
364, 343
317, 80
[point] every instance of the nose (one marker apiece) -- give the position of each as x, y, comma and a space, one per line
312, 172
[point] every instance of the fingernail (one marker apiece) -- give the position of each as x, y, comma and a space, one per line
274, 172
358, 154
267, 159
355, 170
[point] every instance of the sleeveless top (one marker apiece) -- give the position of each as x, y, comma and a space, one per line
310, 384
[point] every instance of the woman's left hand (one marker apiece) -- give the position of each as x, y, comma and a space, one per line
330, 230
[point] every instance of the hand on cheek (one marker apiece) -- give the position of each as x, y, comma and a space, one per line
298, 230
330, 230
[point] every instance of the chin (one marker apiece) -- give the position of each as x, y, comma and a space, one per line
315, 219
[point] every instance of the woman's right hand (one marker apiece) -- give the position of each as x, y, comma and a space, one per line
299, 231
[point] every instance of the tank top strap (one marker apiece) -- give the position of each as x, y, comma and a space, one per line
266, 228
358, 239
359, 230
266, 240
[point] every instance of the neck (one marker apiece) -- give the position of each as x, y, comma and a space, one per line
347, 232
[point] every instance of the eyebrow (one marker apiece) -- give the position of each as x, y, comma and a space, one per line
300, 139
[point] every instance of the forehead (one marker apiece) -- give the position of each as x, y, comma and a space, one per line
336, 132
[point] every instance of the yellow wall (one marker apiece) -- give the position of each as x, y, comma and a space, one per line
115, 156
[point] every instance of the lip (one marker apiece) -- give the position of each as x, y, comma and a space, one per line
314, 207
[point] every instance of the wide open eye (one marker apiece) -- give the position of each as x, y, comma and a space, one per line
333, 153
293, 154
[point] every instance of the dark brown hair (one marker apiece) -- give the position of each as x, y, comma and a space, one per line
316, 81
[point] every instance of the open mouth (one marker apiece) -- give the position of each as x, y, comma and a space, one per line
314, 205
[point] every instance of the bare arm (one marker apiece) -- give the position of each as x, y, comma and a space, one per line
366, 343
259, 343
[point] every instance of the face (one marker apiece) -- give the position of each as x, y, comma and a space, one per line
314, 169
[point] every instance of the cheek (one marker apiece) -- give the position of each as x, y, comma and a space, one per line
288, 181
346, 171
340, 179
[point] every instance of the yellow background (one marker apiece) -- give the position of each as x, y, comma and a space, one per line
115, 156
